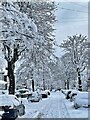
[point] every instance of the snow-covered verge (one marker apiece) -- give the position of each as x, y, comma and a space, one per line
55, 106
75, 113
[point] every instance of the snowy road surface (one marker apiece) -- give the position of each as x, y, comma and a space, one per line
55, 106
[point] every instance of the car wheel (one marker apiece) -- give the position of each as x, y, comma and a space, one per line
17, 114
23, 112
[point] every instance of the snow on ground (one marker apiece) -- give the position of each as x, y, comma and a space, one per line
55, 106
75, 113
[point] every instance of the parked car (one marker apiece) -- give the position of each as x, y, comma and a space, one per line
81, 100
11, 114
73, 94
47, 91
70, 94
44, 94
35, 97
65, 92
23, 93
11, 107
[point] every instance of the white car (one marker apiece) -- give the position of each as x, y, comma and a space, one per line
35, 97
23, 93
82, 100
11, 106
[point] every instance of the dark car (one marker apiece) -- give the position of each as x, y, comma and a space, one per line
11, 114
11, 107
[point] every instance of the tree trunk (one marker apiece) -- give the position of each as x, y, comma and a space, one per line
33, 85
79, 80
43, 84
5, 79
11, 78
32, 80
67, 84
43, 79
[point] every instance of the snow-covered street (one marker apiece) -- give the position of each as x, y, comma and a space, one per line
55, 106
44, 68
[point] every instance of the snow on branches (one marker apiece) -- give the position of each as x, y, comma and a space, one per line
16, 29
75, 46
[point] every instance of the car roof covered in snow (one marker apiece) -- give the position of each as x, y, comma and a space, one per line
9, 100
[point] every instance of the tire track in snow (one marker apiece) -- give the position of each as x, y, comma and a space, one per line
53, 108
42, 109
63, 109
46, 111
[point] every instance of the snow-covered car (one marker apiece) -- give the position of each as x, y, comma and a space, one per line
65, 92
44, 94
70, 93
23, 93
35, 97
47, 91
11, 106
81, 100
73, 94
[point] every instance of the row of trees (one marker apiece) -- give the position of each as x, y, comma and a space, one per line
75, 59
36, 61
27, 40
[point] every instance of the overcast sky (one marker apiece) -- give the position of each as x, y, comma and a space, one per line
72, 18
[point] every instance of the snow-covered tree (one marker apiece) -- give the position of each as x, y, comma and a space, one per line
76, 45
58, 74
42, 13
69, 72
16, 35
